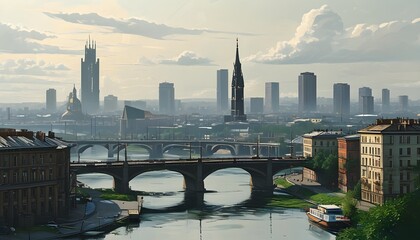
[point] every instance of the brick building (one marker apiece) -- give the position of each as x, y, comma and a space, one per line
34, 177
348, 162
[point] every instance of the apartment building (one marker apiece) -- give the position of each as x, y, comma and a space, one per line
320, 140
390, 150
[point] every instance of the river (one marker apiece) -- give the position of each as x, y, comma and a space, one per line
228, 211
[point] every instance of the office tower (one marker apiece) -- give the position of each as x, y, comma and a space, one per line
307, 92
341, 99
90, 79
51, 100
237, 102
166, 98
365, 100
272, 96
110, 103
222, 91
385, 100
257, 105
389, 159
403, 102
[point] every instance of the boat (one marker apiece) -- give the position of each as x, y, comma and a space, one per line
328, 216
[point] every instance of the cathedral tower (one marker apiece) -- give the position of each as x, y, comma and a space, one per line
90, 79
237, 102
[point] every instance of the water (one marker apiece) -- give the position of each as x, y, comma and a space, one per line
228, 211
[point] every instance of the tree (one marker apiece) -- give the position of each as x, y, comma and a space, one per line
326, 167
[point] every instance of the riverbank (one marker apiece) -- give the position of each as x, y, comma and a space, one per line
97, 215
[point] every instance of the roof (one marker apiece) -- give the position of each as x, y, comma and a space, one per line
352, 137
330, 206
133, 113
22, 142
324, 134
393, 126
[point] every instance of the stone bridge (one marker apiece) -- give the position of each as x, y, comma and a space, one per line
194, 171
156, 148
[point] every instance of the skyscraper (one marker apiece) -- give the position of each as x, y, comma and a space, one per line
166, 98
51, 100
257, 105
365, 100
385, 100
222, 91
403, 102
272, 96
110, 103
237, 102
90, 79
341, 99
307, 92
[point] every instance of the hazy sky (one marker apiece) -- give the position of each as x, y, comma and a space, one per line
140, 43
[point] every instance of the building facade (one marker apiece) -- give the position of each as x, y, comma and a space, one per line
348, 162
257, 105
51, 100
385, 100
320, 141
403, 103
90, 80
307, 92
389, 153
110, 103
365, 100
35, 178
272, 97
166, 98
341, 99
222, 91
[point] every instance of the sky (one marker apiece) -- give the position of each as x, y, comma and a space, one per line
141, 43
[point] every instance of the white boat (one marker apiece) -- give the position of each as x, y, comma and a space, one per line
328, 216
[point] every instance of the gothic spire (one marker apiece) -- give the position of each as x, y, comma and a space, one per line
237, 53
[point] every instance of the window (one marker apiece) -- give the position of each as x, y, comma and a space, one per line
409, 151
390, 163
391, 140
409, 163
390, 151
418, 151
401, 176
401, 163
408, 176
401, 152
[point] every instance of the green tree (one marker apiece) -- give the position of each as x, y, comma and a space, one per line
326, 166
349, 204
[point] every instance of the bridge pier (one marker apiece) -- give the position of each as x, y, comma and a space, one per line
111, 150
157, 151
121, 185
264, 182
195, 183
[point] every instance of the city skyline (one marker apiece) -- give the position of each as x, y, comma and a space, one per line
42, 43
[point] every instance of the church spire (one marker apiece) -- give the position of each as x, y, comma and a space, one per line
237, 53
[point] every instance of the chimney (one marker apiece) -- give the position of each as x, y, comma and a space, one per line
40, 136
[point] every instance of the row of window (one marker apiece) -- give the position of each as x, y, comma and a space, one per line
15, 177
403, 139
327, 143
377, 151
24, 160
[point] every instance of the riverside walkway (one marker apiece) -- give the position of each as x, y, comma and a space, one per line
97, 215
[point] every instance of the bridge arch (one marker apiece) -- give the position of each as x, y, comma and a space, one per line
217, 147
83, 148
144, 146
167, 147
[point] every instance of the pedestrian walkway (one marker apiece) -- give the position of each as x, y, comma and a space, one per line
92, 216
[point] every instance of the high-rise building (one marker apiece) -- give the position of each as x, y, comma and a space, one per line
389, 156
385, 100
51, 100
272, 96
307, 92
166, 98
403, 102
257, 105
237, 103
222, 91
90, 79
110, 103
365, 100
341, 99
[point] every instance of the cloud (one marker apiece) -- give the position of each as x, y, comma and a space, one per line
14, 39
133, 26
322, 38
187, 58
30, 67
